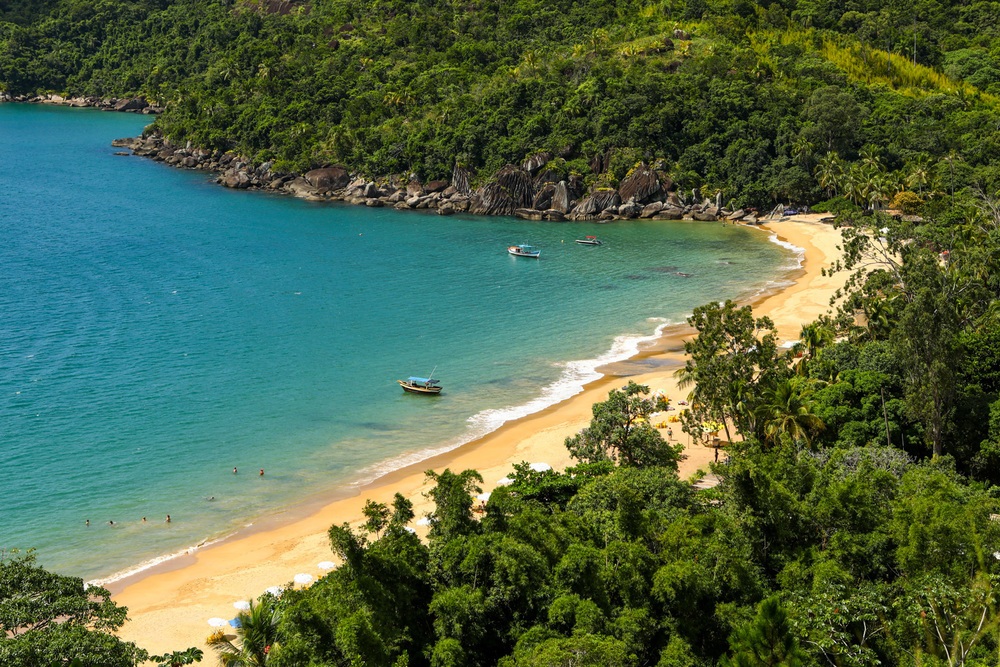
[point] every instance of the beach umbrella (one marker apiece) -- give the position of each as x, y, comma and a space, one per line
217, 622
424, 521
483, 496
326, 565
302, 579
242, 605
540, 467
236, 622
276, 591
410, 529
505, 481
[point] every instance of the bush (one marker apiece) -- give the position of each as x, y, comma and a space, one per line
908, 202
836, 205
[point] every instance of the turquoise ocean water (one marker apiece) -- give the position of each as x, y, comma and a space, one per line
157, 330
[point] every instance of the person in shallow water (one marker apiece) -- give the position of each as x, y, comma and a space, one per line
261, 472
235, 470
168, 518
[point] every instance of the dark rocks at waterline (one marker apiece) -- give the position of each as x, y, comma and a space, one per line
643, 185
129, 104
512, 191
328, 178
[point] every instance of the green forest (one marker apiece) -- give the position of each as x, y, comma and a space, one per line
792, 101
857, 521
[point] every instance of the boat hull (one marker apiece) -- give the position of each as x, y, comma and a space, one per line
583, 242
521, 253
417, 389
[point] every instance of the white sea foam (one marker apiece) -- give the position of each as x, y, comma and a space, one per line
799, 254
153, 562
574, 376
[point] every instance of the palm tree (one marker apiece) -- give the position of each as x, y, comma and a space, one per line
920, 173
256, 638
785, 409
830, 172
812, 338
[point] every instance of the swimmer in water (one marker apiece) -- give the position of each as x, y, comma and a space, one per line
111, 523
261, 472
168, 518
88, 522
144, 519
235, 470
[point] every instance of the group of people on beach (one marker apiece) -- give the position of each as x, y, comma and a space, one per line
235, 472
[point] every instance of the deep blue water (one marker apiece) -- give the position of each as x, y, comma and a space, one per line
157, 330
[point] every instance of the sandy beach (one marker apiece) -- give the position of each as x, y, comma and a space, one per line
170, 603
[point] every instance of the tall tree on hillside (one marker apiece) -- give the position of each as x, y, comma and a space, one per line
785, 409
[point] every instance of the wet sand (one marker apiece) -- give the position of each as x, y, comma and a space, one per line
169, 604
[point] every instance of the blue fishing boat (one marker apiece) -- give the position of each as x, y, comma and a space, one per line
415, 385
524, 251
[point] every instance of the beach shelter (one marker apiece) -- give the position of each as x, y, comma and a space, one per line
236, 622
540, 467
483, 497
302, 579
217, 622
424, 521
326, 565
242, 605
276, 591
410, 529
505, 481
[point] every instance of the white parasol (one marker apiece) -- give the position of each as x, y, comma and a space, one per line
540, 467
242, 605
217, 622
302, 578
483, 496
505, 481
326, 565
276, 591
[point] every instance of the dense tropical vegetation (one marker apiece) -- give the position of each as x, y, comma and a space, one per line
856, 522
795, 100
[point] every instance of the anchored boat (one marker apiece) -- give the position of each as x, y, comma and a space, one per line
415, 385
524, 251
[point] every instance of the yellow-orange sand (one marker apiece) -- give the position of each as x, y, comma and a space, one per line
169, 605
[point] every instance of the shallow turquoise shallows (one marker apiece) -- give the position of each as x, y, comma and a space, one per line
157, 330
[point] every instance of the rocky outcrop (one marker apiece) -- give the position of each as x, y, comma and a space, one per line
645, 193
509, 190
642, 185
562, 199
328, 178
461, 179
536, 162
592, 206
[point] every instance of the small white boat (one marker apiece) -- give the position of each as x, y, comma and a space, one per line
589, 240
524, 251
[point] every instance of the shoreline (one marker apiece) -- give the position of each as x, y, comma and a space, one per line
170, 601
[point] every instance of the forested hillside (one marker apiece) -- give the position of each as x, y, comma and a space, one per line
762, 102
